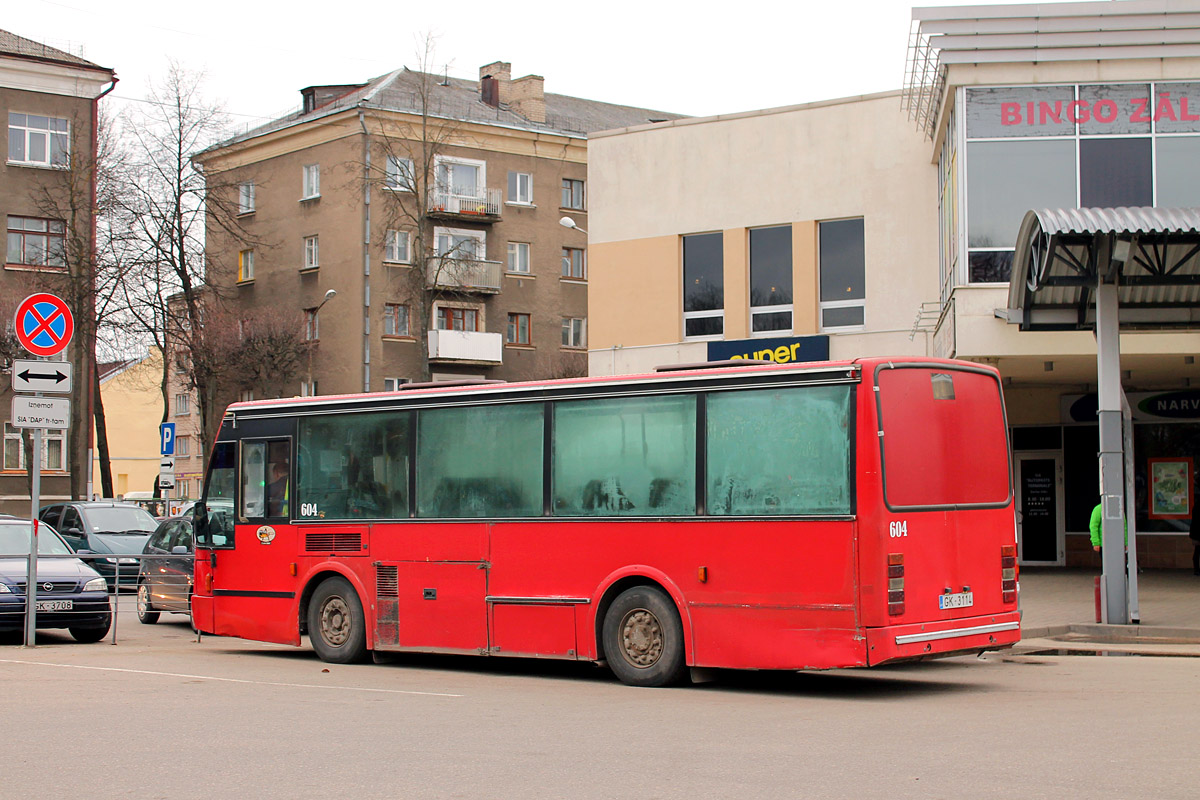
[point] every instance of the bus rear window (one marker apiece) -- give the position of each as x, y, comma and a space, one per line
944, 439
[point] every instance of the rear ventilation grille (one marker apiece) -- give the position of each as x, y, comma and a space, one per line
331, 542
387, 605
387, 584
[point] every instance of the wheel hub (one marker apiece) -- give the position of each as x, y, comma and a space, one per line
335, 621
641, 638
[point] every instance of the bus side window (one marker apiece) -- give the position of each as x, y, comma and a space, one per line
254, 479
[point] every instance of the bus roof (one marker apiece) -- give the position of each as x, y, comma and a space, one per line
816, 370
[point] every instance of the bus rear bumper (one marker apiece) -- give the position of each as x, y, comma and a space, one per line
943, 638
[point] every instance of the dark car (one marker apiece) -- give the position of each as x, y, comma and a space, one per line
165, 584
104, 527
70, 594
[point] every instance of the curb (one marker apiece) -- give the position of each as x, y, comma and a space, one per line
1099, 632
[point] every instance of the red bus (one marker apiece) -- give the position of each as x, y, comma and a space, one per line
811, 516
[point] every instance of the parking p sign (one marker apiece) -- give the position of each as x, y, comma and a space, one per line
167, 431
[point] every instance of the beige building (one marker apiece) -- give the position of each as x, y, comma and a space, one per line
49, 101
886, 225
132, 412
415, 221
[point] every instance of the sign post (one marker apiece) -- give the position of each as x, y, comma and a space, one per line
44, 325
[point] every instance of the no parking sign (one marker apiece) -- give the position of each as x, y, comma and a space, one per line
44, 324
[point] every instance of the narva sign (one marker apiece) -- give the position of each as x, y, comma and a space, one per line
1105, 111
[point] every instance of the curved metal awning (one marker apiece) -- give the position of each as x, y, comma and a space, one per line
1152, 254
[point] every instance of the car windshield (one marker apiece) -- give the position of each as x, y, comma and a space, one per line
14, 540
119, 519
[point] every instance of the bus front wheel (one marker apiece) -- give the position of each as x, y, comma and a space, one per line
336, 625
643, 638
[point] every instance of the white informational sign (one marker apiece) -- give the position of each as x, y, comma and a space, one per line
41, 376
51, 413
166, 481
166, 466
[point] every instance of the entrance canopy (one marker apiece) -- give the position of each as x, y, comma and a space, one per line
1151, 254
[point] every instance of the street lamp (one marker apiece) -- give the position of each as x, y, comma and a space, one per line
567, 222
312, 334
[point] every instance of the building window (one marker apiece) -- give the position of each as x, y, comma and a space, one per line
246, 265
246, 395
308, 389
460, 244
574, 332
183, 445
518, 257
703, 285
54, 449
34, 242
574, 263
399, 174
34, 139
395, 319
841, 250
450, 318
572, 194
312, 325
183, 405
394, 384
520, 188
1067, 146
246, 197
460, 177
312, 252
396, 247
518, 329
312, 181
770, 280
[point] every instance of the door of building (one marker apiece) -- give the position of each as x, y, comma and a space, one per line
1040, 512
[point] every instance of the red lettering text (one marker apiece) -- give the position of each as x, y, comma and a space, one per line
1029, 116
1139, 109
1078, 111
1047, 112
1105, 111
1010, 113
1184, 116
1164, 109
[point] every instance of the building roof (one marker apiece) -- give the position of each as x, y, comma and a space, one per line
1039, 33
460, 99
13, 45
1152, 254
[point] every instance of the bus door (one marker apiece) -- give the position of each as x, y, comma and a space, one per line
249, 573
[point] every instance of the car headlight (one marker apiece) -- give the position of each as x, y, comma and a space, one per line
96, 585
109, 560
4, 589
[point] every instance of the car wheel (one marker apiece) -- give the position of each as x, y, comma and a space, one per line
89, 635
145, 611
643, 638
337, 627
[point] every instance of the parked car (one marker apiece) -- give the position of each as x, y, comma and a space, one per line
106, 527
70, 594
165, 584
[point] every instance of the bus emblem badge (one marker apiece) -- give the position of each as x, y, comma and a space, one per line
266, 534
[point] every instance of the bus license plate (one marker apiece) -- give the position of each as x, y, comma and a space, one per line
960, 600
54, 605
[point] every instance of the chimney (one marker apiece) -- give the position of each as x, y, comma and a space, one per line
528, 98
501, 73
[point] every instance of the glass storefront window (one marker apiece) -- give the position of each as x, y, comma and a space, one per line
1178, 172
1115, 172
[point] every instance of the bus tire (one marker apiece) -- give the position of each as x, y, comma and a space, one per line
145, 610
643, 638
337, 627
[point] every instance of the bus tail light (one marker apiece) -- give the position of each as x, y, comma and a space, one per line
1008, 573
895, 584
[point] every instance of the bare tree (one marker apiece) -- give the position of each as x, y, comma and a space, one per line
169, 207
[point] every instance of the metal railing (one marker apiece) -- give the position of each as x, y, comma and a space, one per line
468, 274
482, 203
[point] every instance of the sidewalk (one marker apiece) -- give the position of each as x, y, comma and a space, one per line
1060, 603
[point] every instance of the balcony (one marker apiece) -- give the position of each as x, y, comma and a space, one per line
465, 347
482, 206
464, 275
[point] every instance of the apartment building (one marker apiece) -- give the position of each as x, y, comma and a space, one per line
49, 100
890, 225
415, 221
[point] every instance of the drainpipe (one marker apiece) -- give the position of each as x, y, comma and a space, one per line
366, 252
90, 360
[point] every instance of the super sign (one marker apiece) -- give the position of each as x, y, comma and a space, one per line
44, 324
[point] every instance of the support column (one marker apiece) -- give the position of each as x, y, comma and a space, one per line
1112, 483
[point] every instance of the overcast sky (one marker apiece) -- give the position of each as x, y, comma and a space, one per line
689, 58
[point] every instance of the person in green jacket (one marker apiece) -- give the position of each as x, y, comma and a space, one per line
1096, 526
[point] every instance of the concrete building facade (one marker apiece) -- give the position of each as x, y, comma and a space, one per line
886, 225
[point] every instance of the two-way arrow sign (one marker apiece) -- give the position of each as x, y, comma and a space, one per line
41, 376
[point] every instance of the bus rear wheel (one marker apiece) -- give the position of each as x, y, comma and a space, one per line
336, 625
643, 638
